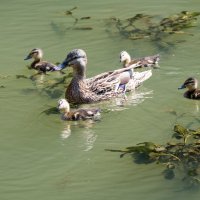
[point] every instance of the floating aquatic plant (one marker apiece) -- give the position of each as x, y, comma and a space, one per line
143, 26
182, 153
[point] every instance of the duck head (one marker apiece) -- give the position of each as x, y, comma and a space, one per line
36, 54
76, 57
124, 57
63, 106
191, 84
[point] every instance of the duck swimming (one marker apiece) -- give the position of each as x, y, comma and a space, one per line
81, 114
100, 87
38, 64
191, 84
148, 61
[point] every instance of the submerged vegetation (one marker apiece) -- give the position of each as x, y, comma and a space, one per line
76, 22
76, 19
142, 26
160, 31
180, 154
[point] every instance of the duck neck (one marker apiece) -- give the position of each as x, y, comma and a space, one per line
79, 72
66, 112
192, 88
65, 116
35, 62
126, 63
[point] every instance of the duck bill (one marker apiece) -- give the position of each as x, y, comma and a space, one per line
28, 57
181, 87
61, 66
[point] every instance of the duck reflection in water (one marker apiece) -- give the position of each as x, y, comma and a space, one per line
40, 80
85, 127
81, 118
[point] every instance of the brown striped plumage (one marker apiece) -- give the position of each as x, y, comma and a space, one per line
79, 92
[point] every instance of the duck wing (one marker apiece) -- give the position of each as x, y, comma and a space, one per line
106, 82
138, 78
147, 60
153, 59
192, 94
44, 66
110, 75
88, 113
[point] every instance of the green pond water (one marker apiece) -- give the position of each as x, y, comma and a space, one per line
43, 157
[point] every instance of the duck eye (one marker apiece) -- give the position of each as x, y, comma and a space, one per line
75, 58
34, 52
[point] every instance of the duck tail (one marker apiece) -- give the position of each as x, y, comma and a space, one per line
140, 77
156, 58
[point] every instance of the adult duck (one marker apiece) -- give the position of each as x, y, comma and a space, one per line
148, 61
38, 64
80, 114
191, 84
101, 87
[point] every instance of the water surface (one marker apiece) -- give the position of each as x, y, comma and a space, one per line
43, 157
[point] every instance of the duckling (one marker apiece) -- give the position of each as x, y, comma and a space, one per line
100, 87
148, 61
38, 64
81, 114
191, 84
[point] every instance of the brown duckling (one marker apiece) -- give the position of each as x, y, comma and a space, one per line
38, 64
80, 114
191, 84
102, 86
148, 61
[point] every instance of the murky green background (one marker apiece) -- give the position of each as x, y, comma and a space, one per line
42, 157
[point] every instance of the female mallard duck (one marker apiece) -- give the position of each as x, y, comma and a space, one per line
148, 61
38, 64
100, 87
193, 92
81, 114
